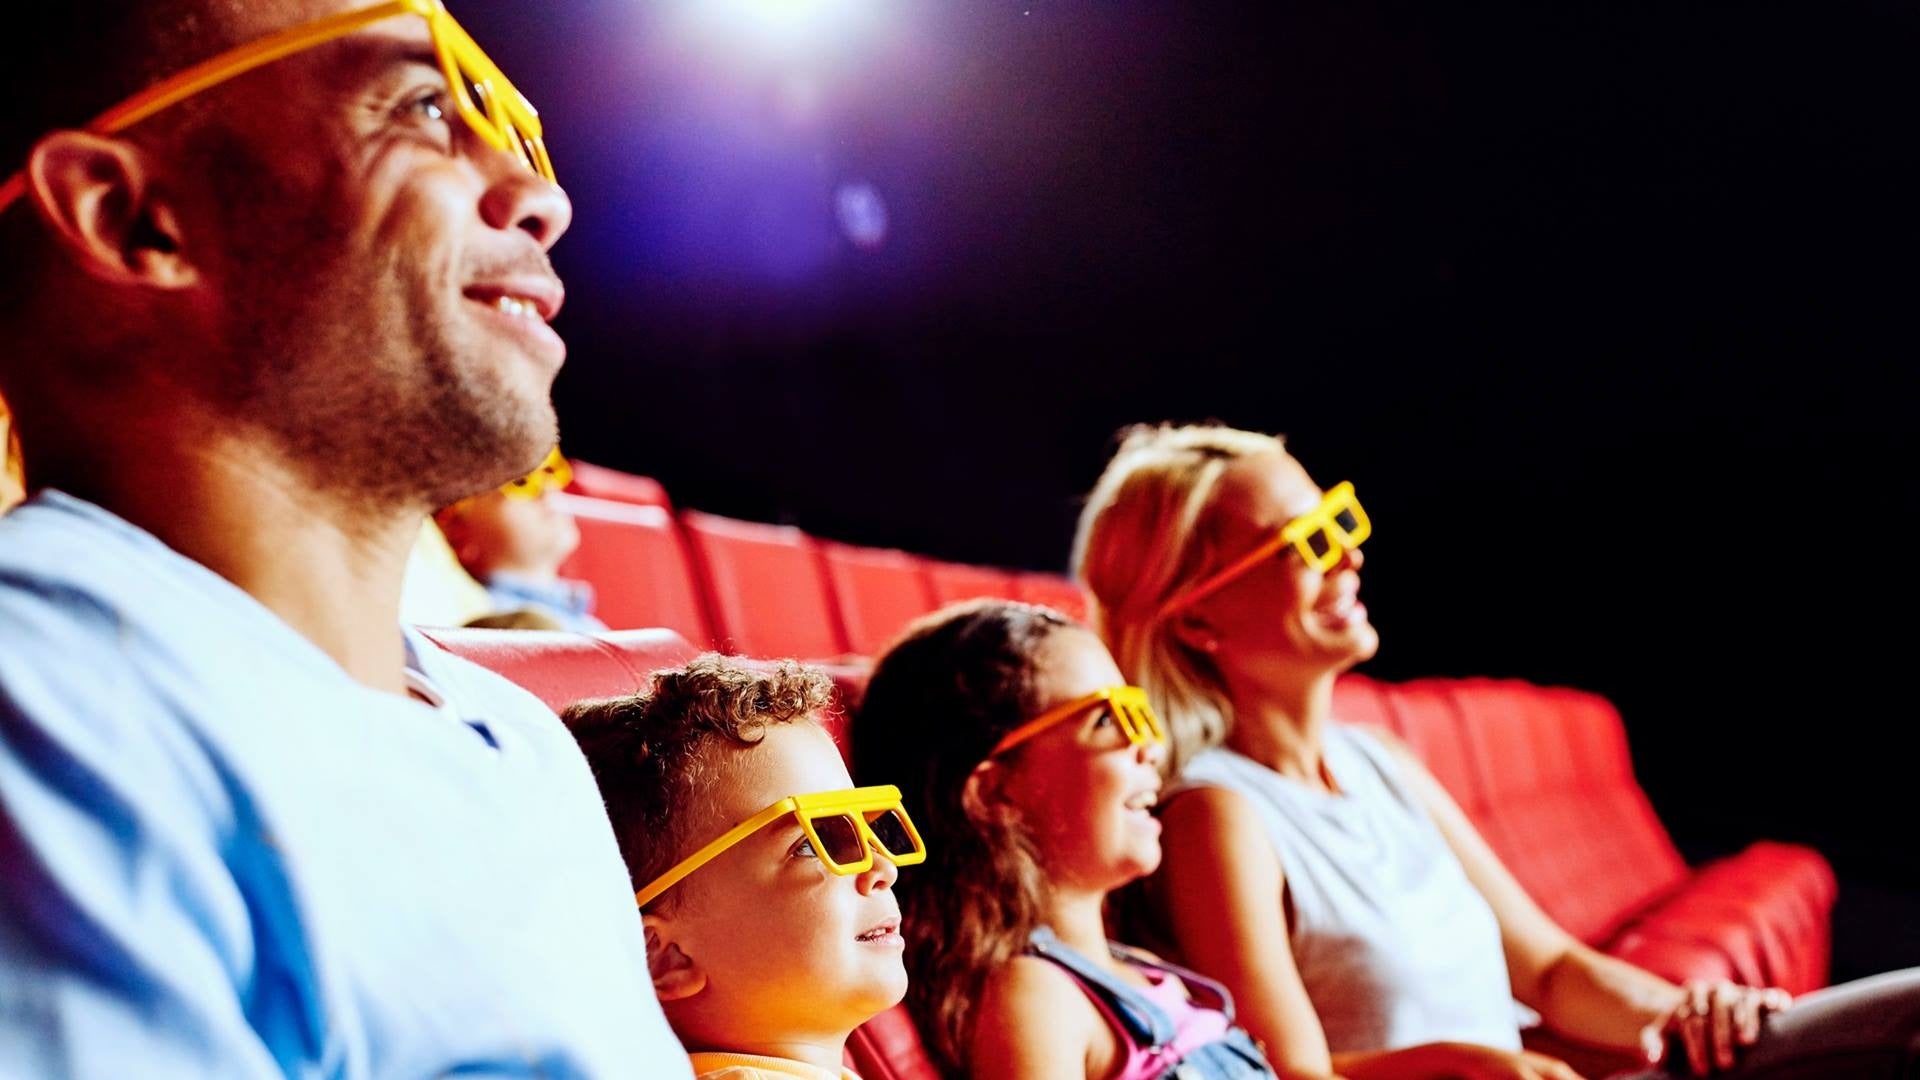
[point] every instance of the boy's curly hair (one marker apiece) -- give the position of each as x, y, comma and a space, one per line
651, 752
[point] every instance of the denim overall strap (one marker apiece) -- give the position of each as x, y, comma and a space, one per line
1204, 991
1146, 1023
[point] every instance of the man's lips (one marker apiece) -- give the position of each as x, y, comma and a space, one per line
536, 295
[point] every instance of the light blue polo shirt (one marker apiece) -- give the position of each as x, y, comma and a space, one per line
220, 856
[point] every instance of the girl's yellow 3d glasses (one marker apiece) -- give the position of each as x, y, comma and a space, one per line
1321, 536
485, 99
1130, 710
846, 828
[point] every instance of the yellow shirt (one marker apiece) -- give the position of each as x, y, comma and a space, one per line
438, 591
709, 1066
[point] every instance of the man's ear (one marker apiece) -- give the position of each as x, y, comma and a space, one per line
675, 974
97, 196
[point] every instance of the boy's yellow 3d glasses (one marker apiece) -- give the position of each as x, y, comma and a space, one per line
846, 828
553, 474
482, 94
1321, 536
1130, 710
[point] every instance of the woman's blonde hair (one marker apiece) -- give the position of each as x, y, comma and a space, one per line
1144, 537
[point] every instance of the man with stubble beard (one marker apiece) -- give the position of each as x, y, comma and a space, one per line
258, 325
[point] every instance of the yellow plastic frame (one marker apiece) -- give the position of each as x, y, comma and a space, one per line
503, 118
1131, 710
554, 473
1299, 534
852, 803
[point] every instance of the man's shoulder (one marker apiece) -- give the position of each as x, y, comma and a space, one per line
69, 559
49, 532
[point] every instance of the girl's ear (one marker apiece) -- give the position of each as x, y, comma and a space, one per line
675, 974
982, 791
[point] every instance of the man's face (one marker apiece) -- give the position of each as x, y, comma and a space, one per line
375, 275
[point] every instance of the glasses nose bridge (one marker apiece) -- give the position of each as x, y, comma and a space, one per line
883, 871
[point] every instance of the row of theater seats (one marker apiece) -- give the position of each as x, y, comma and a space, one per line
1543, 772
763, 590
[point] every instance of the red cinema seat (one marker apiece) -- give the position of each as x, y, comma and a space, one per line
766, 587
601, 482
954, 582
561, 668
1062, 594
638, 566
877, 592
888, 1047
1546, 777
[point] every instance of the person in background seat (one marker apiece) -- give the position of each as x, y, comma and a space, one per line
262, 317
513, 540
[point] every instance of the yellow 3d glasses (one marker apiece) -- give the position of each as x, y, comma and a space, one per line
846, 829
1322, 536
1130, 707
489, 104
553, 474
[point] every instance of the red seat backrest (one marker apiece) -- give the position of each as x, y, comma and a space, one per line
638, 566
1056, 591
603, 483
888, 1047
877, 592
954, 582
1563, 809
1544, 775
561, 668
766, 587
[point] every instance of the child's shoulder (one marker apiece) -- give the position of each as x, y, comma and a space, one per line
1031, 986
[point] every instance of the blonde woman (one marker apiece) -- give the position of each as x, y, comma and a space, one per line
1226, 583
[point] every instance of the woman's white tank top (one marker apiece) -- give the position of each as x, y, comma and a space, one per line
1394, 945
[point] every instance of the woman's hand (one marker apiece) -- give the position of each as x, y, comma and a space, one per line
1713, 1020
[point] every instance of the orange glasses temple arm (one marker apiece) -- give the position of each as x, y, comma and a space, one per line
707, 854
1233, 570
1046, 719
228, 65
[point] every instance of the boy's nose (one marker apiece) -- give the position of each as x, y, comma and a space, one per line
879, 876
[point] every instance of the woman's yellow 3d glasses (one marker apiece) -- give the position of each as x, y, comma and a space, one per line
845, 828
554, 474
1130, 710
485, 99
1321, 536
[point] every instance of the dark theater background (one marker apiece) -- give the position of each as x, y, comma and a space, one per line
1607, 310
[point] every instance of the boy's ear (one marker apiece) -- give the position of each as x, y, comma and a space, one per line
675, 974
97, 196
